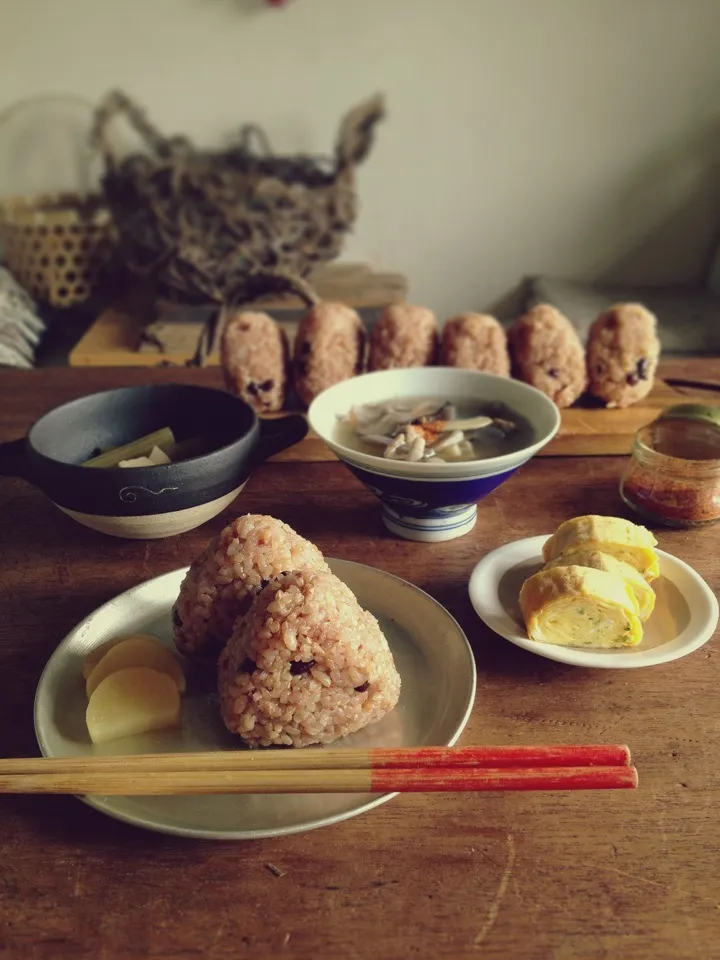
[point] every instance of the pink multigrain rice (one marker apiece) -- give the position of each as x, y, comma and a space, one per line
254, 358
233, 568
329, 347
404, 336
475, 341
306, 665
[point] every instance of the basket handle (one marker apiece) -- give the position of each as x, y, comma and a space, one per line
250, 132
260, 284
357, 132
19, 105
9, 112
281, 281
115, 104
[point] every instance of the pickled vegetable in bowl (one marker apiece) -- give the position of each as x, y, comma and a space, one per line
152, 450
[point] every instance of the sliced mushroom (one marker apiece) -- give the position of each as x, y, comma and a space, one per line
449, 440
392, 448
417, 449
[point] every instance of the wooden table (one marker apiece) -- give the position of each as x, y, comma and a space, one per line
628, 875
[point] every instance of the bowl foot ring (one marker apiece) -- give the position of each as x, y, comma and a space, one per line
430, 529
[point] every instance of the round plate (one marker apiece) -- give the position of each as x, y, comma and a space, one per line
685, 615
431, 652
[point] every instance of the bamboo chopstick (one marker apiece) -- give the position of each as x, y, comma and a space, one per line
383, 780
313, 758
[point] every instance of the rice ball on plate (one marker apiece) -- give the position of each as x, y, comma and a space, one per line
306, 665
222, 582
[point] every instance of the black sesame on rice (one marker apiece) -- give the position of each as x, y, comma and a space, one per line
298, 667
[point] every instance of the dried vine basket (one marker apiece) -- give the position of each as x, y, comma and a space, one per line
229, 226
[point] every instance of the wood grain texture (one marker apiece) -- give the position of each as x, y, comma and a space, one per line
630, 875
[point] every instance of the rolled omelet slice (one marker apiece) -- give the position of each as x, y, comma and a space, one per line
620, 538
580, 607
597, 560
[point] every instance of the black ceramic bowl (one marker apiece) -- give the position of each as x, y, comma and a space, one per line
147, 502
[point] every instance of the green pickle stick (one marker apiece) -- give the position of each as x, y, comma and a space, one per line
165, 439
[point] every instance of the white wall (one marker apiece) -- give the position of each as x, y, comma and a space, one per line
575, 137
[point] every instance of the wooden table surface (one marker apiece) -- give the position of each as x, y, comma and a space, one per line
535, 876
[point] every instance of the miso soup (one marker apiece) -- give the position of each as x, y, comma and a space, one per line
433, 430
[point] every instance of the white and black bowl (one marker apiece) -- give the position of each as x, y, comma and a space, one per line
432, 501
147, 502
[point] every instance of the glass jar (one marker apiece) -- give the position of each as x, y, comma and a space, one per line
673, 477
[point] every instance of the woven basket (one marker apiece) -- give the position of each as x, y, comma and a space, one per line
56, 244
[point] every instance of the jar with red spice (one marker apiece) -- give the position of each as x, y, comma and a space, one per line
673, 476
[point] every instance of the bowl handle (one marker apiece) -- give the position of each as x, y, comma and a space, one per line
13, 460
279, 434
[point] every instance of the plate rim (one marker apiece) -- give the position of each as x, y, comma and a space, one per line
235, 835
590, 659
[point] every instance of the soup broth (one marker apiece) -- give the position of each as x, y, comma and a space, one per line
434, 429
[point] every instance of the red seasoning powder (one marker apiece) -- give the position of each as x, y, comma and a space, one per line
674, 474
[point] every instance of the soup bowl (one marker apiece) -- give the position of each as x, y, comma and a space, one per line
432, 501
147, 502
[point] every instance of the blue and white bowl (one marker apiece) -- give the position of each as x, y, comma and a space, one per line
432, 501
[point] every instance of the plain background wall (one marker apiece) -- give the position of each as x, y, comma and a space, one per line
571, 137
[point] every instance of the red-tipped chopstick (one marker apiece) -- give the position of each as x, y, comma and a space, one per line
604, 755
329, 758
321, 772
396, 780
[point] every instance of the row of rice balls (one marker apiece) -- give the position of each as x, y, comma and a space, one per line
300, 661
546, 352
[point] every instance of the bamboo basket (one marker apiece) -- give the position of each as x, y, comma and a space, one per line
56, 245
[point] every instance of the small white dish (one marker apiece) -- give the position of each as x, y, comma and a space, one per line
431, 652
685, 615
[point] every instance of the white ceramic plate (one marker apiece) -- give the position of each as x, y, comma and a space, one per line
685, 615
431, 652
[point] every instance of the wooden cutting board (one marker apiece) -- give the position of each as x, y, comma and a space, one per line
114, 341
584, 432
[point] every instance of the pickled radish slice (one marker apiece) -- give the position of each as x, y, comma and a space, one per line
131, 701
136, 652
97, 653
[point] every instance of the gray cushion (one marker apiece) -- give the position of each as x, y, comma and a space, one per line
688, 317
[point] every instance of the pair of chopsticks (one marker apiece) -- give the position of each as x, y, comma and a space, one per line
313, 770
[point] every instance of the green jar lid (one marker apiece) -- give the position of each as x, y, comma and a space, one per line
699, 412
